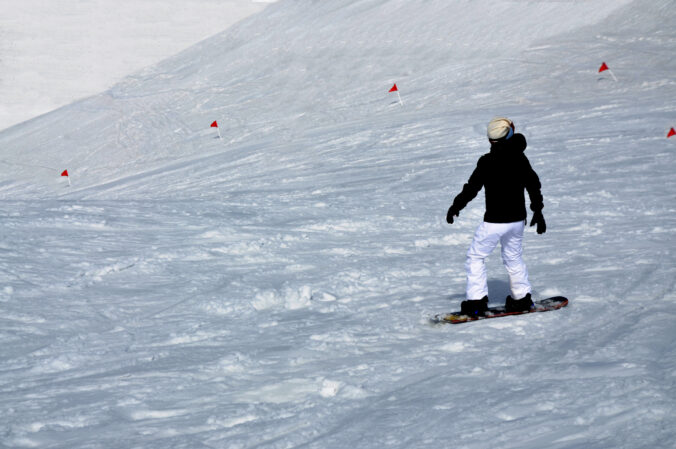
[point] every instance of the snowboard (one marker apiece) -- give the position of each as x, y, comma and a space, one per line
543, 305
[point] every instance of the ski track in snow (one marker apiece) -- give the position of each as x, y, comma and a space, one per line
272, 288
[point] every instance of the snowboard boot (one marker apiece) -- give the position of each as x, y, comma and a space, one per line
474, 307
518, 305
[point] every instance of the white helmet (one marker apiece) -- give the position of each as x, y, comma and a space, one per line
500, 128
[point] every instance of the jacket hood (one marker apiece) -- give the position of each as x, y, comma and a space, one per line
515, 145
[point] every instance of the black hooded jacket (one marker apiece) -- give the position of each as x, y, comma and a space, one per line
504, 173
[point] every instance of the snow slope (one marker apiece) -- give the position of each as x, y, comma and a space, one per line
271, 288
53, 53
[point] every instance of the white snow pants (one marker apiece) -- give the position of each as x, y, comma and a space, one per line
486, 238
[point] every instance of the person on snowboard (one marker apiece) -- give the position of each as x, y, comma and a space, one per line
504, 173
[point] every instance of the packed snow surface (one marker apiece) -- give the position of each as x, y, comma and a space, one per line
272, 288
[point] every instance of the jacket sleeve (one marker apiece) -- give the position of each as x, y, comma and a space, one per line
533, 187
471, 189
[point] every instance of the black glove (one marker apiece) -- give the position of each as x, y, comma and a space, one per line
452, 212
539, 220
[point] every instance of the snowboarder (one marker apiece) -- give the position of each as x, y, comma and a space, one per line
504, 173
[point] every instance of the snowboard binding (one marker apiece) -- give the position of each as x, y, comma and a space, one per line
518, 305
474, 307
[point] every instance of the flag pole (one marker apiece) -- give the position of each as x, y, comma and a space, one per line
605, 67
215, 125
396, 89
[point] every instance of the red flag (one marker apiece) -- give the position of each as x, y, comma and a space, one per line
672, 132
603, 68
215, 124
65, 173
394, 88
